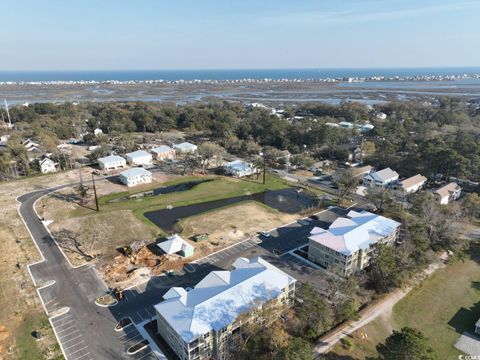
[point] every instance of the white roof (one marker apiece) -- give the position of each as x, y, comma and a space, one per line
239, 165
358, 231
136, 171
162, 149
174, 244
138, 154
185, 146
111, 158
221, 297
383, 175
46, 160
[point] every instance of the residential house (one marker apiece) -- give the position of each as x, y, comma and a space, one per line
238, 168
135, 176
412, 184
176, 245
206, 322
382, 178
97, 132
320, 165
47, 166
163, 152
111, 162
31, 146
382, 116
447, 193
361, 171
139, 158
186, 147
347, 244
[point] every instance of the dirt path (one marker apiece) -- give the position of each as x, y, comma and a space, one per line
382, 308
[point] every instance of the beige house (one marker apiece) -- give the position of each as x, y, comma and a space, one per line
347, 244
412, 184
206, 321
447, 193
47, 166
163, 152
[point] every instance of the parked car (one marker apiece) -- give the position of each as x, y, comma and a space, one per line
314, 217
265, 234
303, 222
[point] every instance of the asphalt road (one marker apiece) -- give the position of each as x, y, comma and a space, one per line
86, 332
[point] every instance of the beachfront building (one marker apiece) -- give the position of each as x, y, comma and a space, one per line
111, 162
139, 158
347, 244
448, 193
163, 152
206, 321
176, 245
135, 176
238, 168
186, 147
382, 178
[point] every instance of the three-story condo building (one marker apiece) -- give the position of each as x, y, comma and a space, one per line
206, 321
347, 244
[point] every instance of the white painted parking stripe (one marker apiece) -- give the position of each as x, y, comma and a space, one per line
150, 312
140, 358
88, 353
133, 338
69, 334
128, 333
75, 338
59, 319
66, 329
78, 350
141, 317
71, 346
66, 323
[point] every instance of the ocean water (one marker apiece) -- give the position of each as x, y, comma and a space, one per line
172, 75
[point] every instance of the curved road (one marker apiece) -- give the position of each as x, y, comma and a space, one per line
85, 332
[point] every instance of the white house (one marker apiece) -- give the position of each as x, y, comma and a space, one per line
163, 152
205, 322
47, 166
238, 168
31, 145
111, 162
413, 184
447, 193
176, 245
186, 147
382, 178
382, 116
97, 132
139, 157
135, 176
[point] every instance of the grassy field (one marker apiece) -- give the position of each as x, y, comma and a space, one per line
442, 307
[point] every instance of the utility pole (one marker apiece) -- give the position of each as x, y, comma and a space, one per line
264, 166
95, 192
8, 114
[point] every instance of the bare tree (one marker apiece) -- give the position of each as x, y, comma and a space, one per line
83, 245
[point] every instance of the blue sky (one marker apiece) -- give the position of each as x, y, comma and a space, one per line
209, 34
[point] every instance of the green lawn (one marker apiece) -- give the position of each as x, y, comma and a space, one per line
218, 188
443, 307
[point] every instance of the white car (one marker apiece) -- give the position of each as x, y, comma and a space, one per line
265, 234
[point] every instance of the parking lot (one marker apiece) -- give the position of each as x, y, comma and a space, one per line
70, 337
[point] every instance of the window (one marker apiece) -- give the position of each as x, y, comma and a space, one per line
206, 335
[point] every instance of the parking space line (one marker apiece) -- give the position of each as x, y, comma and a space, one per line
77, 350
88, 353
65, 323
149, 313
62, 331
57, 320
67, 335
71, 346
148, 353
128, 333
141, 317
76, 337
133, 338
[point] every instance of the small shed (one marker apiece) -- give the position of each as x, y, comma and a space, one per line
176, 245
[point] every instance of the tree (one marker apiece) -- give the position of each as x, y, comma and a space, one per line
297, 349
471, 206
380, 197
314, 312
302, 161
406, 344
82, 192
188, 161
386, 271
346, 184
208, 151
83, 245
